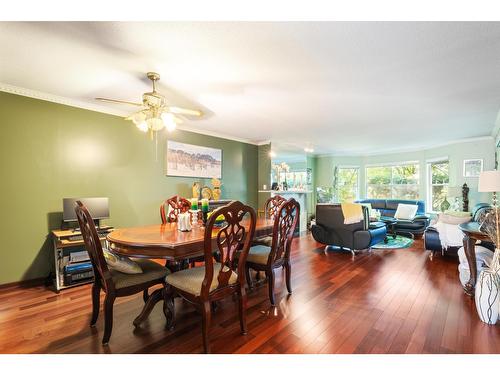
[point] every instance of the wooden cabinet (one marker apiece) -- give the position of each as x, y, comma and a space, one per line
69, 250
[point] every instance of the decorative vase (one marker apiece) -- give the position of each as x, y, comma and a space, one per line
216, 193
445, 205
487, 296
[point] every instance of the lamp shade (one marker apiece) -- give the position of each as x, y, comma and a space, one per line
489, 181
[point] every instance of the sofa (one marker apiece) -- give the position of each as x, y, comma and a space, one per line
330, 230
388, 207
431, 235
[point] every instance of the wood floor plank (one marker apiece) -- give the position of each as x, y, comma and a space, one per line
383, 301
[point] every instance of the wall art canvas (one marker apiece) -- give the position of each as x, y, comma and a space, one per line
186, 160
473, 167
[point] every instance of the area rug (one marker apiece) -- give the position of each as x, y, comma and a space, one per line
399, 242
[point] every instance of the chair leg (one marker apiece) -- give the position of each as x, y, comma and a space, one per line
288, 270
270, 284
243, 310
206, 315
248, 277
108, 318
145, 295
96, 302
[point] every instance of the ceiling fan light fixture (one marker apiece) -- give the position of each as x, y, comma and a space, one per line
138, 118
169, 121
155, 114
155, 123
142, 126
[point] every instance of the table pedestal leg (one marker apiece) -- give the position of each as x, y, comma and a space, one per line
470, 253
154, 298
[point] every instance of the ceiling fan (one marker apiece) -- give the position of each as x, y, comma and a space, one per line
155, 114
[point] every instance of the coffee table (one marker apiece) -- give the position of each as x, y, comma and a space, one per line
390, 223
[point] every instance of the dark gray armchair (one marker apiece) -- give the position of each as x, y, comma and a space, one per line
330, 229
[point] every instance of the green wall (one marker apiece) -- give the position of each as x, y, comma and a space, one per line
456, 154
50, 151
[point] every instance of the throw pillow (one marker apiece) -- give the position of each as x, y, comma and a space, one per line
451, 219
406, 211
458, 213
121, 263
353, 212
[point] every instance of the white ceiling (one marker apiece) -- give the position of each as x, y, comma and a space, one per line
341, 87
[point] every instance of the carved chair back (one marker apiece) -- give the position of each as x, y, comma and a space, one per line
172, 207
232, 242
272, 206
285, 222
93, 247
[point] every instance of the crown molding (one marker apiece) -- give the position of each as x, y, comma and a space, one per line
411, 149
16, 90
262, 143
58, 99
102, 109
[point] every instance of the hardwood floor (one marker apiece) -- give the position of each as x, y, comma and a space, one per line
386, 301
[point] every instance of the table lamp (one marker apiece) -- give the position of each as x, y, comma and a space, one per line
489, 182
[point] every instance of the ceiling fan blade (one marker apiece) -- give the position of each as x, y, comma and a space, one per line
185, 111
118, 101
178, 120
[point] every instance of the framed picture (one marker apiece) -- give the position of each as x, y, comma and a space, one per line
473, 167
186, 160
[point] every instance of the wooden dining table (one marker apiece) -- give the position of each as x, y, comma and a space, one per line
165, 241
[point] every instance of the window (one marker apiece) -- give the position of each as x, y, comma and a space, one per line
439, 178
397, 181
346, 185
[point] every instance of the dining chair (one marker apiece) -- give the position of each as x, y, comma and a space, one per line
214, 281
268, 258
115, 284
172, 207
175, 206
270, 209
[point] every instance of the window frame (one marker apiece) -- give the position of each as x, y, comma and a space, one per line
357, 168
391, 184
430, 185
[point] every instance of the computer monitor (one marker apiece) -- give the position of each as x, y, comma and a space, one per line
98, 208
